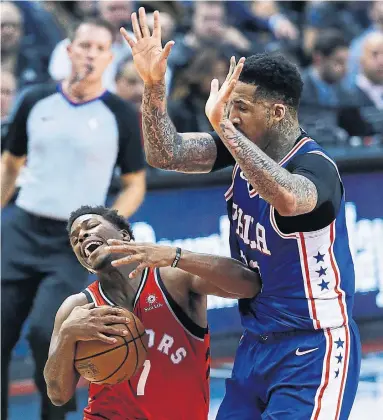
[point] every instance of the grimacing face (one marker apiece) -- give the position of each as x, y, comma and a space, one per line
88, 237
90, 51
254, 118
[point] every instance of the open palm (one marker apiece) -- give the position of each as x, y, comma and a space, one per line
149, 57
217, 105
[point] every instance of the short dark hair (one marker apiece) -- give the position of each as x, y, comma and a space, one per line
95, 21
108, 214
276, 78
328, 41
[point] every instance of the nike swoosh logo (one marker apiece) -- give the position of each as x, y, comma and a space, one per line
301, 353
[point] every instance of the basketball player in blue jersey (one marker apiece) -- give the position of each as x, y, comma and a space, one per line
299, 357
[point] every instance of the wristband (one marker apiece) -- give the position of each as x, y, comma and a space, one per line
177, 258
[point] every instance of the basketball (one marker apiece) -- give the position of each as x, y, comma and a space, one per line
109, 364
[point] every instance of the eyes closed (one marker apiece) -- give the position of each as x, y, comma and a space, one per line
88, 226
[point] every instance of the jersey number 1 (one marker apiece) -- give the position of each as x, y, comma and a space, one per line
143, 378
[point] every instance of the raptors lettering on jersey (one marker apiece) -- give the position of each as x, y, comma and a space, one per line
173, 383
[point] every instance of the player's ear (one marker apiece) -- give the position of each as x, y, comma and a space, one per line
125, 235
279, 112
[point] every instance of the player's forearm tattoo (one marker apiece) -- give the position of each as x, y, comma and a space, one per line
164, 147
266, 176
160, 135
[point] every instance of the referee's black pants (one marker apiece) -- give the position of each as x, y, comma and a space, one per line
38, 272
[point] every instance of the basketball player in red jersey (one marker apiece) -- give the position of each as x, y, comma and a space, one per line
173, 383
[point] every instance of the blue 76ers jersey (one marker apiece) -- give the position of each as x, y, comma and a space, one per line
307, 277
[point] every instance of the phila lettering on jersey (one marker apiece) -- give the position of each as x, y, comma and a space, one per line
307, 277
173, 383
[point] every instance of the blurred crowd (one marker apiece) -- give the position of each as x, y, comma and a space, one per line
338, 45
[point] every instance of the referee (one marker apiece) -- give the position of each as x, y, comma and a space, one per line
71, 137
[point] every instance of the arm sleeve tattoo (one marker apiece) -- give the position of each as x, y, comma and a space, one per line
164, 147
290, 194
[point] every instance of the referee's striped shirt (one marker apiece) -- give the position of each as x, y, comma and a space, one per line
72, 149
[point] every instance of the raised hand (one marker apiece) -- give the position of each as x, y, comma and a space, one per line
149, 57
216, 108
146, 255
89, 323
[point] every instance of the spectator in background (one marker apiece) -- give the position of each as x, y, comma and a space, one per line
187, 102
368, 88
62, 15
168, 25
329, 66
129, 85
209, 27
322, 94
268, 13
366, 93
350, 18
85, 9
8, 92
41, 30
67, 13
376, 17
71, 137
22, 60
255, 15
266, 25
117, 13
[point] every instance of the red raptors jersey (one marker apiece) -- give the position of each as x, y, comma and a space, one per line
173, 383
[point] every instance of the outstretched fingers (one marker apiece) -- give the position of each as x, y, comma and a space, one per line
214, 87
130, 259
127, 38
136, 27
117, 242
121, 249
141, 267
143, 24
157, 25
237, 70
228, 90
167, 49
231, 69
